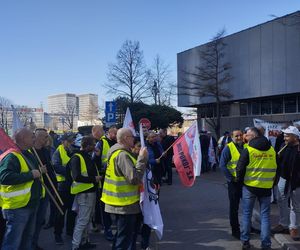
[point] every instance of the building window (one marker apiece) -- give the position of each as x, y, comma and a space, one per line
277, 106
255, 108
243, 108
266, 107
290, 104
225, 110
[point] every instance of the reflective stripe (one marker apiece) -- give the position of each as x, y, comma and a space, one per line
15, 193
117, 183
265, 170
248, 178
120, 195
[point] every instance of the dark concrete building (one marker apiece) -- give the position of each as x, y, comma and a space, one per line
265, 72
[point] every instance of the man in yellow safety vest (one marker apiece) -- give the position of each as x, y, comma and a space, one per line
256, 169
85, 183
21, 192
229, 158
121, 187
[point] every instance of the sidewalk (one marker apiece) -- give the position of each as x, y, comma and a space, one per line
283, 239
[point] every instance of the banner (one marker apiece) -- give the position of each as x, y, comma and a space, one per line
128, 122
187, 155
272, 129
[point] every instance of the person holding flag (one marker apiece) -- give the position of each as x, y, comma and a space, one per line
20, 192
121, 187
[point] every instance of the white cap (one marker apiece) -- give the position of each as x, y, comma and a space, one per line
292, 130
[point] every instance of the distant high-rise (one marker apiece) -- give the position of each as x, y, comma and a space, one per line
88, 107
62, 103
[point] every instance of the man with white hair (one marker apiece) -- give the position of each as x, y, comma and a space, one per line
20, 192
289, 184
120, 193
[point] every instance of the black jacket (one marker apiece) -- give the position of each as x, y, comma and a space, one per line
289, 165
261, 143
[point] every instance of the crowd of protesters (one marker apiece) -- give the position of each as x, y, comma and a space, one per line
97, 182
81, 178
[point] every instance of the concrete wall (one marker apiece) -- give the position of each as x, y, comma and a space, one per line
265, 61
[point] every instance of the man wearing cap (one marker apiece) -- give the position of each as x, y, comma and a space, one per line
105, 142
60, 160
289, 184
256, 169
229, 158
85, 183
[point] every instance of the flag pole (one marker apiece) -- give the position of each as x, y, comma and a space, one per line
170, 147
48, 177
52, 197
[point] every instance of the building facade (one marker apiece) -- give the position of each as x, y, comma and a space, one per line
265, 72
88, 109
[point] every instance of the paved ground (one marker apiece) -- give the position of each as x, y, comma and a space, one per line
194, 218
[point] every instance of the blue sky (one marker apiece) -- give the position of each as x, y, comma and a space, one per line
58, 46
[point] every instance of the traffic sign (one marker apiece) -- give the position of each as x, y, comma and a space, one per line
110, 113
145, 123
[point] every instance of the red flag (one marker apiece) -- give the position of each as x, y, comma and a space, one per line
7, 145
187, 156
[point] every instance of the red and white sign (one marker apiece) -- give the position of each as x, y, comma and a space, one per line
145, 123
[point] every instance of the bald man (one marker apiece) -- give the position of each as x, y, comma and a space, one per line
20, 191
120, 194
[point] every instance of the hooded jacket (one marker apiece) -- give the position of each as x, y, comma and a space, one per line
260, 143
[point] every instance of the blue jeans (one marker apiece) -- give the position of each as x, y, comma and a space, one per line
126, 226
248, 200
19, 228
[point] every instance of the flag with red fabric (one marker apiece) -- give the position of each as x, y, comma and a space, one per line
187, 155
7, 145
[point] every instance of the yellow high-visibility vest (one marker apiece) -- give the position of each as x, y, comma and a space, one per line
64, 161
105, 149
78, 187
17, 196
235, 156
117, 191
261, 169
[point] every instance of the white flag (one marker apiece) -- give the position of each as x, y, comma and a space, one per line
17, 124
128, 122
211, 153
150, 206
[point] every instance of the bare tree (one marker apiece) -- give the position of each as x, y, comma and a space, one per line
128, 77
4, 109
68, 114
208, 79
161, 83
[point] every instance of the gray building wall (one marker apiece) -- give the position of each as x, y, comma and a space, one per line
265, 62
